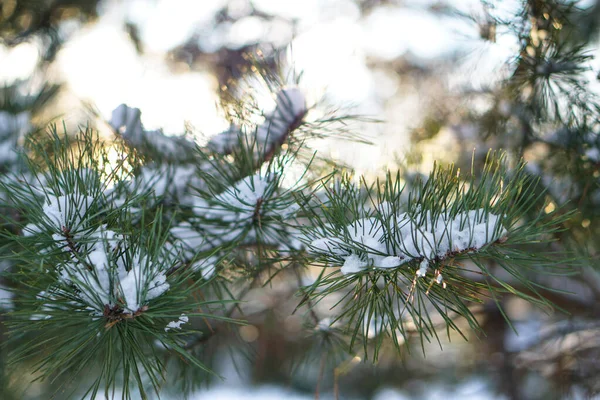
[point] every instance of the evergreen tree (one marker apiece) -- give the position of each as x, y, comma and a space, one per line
127, 259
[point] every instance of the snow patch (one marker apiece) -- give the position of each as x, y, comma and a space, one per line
183, 319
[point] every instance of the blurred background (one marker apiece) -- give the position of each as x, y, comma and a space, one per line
448, 79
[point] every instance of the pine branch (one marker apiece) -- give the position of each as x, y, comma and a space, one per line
401, 261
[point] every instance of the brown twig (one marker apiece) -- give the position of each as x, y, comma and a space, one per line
320, 378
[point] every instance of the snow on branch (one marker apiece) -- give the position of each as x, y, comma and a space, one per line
253, 211
289, 111
60, 213
105, 277
438, 219
183, 319
102, 271
127, 122
389, 241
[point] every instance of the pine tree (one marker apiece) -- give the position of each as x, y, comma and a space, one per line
128, 258
126, 267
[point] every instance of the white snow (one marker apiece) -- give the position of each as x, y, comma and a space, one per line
166, 179
291, 105
225, 141
233, 211
250, 210
206, 266
101, 277
423, 267
419, 238
324, 324
391, 262
188, 238
142, 284
127, 122
353, 264
289, 110
103, 284
66, 211
162, 180
189, 242
183, 319
60, 213
240, 201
